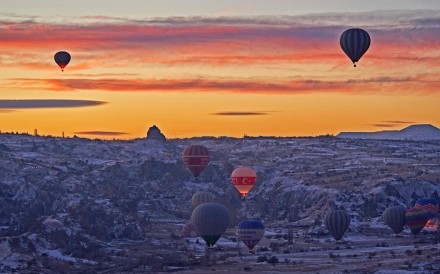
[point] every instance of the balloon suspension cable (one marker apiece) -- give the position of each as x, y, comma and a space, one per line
246, 208
239, 247
208, 252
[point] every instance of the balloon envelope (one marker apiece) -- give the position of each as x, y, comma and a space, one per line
337, 222
201, 197
429, 204
355, 42
250, 232
188, 230
210, 221
243, 179
196, 158
394, 217
416, 219
62, 58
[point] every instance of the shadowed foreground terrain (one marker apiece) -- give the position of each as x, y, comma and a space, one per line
89, 206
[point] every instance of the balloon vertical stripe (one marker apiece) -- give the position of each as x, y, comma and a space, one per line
337, 222
201, 197
210, 221
355, 42
394, 217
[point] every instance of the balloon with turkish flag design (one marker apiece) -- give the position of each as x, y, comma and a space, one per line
244, 179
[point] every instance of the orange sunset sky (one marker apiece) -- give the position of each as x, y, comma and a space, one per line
216, 68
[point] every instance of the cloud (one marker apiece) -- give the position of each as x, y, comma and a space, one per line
241, 113
402, 36
384, 125
392, 123
101, 133
47, 103
399, 122
270, 54
389, 85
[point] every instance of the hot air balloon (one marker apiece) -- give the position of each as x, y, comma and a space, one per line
416, 219
196, 158
210, 221
355, 42
62, 58
394, 217
243, 179
188, 230
250, 232
430, 205
337, 222
201, 197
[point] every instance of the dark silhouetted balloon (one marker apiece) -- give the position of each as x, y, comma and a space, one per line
394, 217
416, 219
196, 158
355, 42
210, 221
62, 58
243, 179
250, 232
201, 197
337, 222
430, 205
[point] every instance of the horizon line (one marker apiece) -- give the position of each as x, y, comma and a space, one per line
245, 136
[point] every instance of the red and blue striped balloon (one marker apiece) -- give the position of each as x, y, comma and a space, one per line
416, 219
430, 205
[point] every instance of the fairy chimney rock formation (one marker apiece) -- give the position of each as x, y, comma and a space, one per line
155, 134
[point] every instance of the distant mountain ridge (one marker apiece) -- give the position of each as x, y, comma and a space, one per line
414, 132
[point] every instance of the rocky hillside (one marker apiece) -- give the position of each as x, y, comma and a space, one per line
414, 132
77, 196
